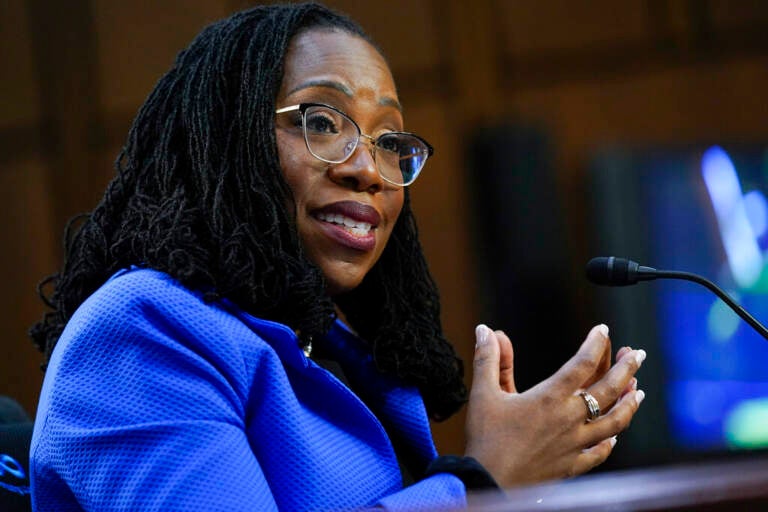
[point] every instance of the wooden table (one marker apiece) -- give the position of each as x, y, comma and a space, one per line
734, 485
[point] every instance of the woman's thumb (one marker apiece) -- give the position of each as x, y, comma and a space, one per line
485, 373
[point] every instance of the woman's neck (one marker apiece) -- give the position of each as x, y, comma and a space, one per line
342, 317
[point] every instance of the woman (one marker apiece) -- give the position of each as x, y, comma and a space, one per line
250, 324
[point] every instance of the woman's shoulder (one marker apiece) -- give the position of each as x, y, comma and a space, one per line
141, 303
147, 290
142, 318
143, 285
147, 302
139, 292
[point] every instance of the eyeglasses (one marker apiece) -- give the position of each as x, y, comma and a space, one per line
332, 136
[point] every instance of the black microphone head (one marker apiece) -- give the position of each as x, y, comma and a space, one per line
611, 271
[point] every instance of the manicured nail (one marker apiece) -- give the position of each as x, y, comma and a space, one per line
603, 329
613, 441
640, 356
639, 396
481, 334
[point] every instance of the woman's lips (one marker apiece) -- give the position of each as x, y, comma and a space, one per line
349, 223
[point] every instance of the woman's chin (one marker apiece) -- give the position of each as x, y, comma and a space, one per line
335, 288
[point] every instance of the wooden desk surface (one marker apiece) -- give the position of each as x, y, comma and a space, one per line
738, 485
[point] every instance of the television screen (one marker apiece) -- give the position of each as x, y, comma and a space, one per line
702, 210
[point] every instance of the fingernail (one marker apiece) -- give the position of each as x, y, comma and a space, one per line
640, 356
613, 441
634, 383
603, 329
481, 334
639, 396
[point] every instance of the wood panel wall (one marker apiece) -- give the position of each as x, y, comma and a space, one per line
638, 71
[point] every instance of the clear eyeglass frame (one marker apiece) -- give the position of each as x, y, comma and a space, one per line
399, 167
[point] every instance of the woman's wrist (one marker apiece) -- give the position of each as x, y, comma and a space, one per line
474, 476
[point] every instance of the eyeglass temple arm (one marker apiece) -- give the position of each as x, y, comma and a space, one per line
287, 109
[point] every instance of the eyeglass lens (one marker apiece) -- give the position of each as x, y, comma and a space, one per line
332, 136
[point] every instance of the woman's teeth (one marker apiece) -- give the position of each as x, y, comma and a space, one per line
353, 226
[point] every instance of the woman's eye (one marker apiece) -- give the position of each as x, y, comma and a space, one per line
389, 143
319, 123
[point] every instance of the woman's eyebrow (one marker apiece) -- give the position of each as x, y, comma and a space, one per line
332, 84
391, 102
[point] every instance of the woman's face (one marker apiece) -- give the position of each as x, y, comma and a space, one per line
344, 212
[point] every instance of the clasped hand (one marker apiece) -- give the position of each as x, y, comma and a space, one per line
543, 433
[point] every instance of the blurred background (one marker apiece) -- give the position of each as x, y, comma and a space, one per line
563, 130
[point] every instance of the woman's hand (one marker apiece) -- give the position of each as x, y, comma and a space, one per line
543, 433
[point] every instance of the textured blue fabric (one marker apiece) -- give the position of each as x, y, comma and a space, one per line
157, 401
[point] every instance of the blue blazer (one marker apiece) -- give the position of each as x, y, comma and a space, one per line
157, 401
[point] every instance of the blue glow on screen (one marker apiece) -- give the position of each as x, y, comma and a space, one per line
708, 215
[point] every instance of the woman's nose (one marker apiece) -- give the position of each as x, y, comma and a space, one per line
359, 171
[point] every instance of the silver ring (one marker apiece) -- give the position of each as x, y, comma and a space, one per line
593, 408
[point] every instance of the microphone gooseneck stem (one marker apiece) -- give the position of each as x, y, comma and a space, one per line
673, 274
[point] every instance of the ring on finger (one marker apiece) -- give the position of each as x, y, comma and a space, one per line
593, 408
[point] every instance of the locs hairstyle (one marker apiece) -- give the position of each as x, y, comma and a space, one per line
199, 194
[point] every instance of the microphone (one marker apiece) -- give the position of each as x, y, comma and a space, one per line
612, 271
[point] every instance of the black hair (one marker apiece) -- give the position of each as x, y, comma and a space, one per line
199, 194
